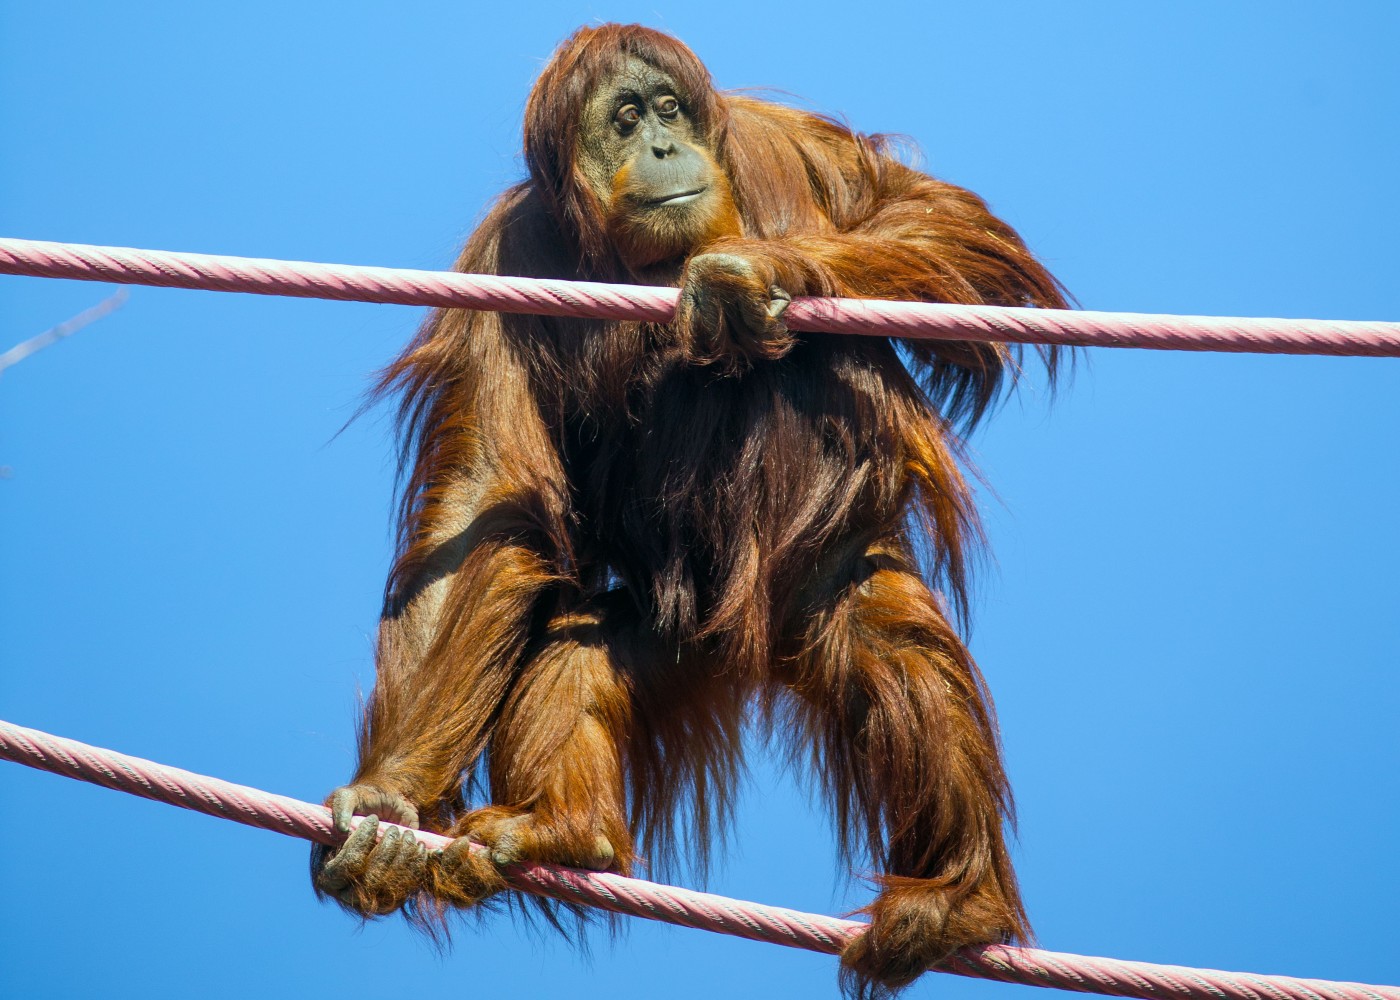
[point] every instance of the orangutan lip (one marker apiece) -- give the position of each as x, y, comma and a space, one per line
679, 198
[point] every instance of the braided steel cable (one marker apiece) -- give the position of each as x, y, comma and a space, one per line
639, 898
911, 320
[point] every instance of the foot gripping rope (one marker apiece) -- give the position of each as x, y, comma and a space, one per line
638, 898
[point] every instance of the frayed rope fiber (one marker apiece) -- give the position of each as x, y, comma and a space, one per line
910, 320
638, 898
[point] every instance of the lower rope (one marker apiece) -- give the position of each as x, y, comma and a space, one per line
639, 898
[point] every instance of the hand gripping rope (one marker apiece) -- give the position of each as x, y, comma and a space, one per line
638, 898
916, 320
755, 921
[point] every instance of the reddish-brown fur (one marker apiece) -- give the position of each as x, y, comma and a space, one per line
618, 536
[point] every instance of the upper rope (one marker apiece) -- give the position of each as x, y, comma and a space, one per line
916, 320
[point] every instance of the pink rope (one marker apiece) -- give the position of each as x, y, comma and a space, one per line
638, 898
917, 320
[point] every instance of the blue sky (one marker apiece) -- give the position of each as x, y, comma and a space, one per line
1189, 625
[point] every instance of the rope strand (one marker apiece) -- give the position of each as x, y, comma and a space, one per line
636, 897
914, 320
639, 898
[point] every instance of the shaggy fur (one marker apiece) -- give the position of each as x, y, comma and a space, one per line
617, 537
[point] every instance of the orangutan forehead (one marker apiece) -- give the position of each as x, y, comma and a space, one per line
632, 78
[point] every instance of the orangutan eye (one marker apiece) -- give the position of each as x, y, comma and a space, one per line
668, 107
628, 115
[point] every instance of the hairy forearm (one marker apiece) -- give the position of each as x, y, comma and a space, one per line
925, 240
